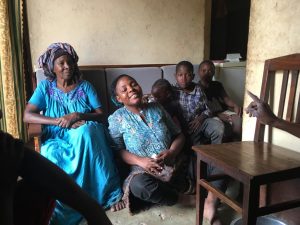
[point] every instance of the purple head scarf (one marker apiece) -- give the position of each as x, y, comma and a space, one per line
55, 50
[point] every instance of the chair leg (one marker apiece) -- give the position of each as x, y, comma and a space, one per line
250, 203
200, 191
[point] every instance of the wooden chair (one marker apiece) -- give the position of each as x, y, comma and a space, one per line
255, 163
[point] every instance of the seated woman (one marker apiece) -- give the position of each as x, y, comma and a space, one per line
146, 138
72, 136
218, 101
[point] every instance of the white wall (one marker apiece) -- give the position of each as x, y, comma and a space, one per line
120, 31
273, 31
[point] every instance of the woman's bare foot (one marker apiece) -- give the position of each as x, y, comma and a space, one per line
118, 206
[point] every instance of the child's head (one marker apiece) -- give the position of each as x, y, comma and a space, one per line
161, 91
184, 74
206, 70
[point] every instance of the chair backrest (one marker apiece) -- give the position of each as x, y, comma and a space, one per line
289, 103
96, 76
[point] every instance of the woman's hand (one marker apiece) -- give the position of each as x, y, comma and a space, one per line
78, 124
261, 110
150, 165
166, 157
68, 120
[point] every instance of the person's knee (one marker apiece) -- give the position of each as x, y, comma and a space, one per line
86, 131
217, 127
143, 186
147, 188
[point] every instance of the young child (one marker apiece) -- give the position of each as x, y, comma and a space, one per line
218, 101
199, 124
163, 94
192, 102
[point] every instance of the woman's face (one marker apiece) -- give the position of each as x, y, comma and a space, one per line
64, 67
129, 92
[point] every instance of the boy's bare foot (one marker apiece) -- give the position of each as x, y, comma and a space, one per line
118, 206
210, 210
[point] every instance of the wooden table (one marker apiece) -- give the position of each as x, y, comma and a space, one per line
253, 164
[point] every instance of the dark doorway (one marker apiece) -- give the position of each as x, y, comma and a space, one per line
229, 28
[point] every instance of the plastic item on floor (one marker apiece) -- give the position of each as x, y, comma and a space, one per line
263, 220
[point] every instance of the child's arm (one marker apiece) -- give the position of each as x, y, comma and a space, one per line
201, 115
231, 104
196, 123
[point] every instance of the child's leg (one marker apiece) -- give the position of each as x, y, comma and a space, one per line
213, 129
236, 127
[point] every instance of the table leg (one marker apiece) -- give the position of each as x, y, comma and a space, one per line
200, 191
250, 203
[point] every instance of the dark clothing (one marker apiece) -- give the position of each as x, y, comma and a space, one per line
172, 108
32, 206
215, 94
149, 189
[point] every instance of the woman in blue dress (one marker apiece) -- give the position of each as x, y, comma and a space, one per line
72, 135
146, 138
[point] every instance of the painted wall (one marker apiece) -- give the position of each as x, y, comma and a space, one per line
273, 31
118, 31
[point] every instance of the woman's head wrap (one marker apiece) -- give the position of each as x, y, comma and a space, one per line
55, 50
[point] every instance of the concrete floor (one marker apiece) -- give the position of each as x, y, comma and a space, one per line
178, 214
175, 215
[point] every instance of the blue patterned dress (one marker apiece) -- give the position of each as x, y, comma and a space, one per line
131, 133
84, 152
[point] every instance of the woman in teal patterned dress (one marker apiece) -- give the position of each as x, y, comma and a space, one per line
72, 135
146, 138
